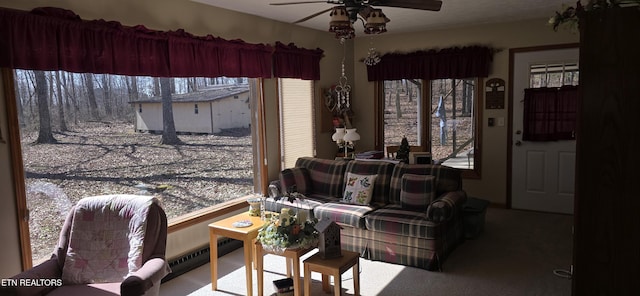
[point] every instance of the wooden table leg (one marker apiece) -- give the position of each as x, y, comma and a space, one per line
296, 276
356, 278
248, 265
337, 283
260, 267
288, 261
325, 283
254, 249
307, 280
213, 257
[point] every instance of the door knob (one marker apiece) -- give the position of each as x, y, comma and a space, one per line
518, 143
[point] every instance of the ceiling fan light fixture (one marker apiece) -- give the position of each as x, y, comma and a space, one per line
340, 23
376, 22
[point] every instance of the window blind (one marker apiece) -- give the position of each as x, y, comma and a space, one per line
297, 136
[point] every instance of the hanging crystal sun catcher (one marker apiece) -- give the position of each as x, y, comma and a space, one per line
343, 92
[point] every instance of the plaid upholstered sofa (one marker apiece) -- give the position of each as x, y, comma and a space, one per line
392, 227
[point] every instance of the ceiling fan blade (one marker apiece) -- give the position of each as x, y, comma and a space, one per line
313, 15
299, 2
364, 12
433, 5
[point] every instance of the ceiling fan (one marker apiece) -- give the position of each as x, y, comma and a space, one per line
346, 12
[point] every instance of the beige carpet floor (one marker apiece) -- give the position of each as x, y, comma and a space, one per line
515, 255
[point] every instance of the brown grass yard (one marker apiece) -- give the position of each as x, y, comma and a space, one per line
110, 157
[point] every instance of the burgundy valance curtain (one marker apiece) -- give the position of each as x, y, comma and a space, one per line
550, 113
57, 39
290, 61
212, 57
455, 62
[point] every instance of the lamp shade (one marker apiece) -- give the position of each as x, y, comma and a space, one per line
376, 22
351, 135
341, 23
338, 135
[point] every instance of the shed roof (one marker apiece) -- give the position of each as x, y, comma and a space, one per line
205, 94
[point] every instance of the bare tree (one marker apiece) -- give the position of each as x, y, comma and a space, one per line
93, 105
106, 94
30, 80
132, 88
169, 136
398, 106
156, 86
408, 86
70, 94
192, 84
61, 121
45, 135
18, 99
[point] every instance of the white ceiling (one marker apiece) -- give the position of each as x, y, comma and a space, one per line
454, 13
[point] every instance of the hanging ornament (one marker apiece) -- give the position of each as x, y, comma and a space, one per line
373, 57
343, 89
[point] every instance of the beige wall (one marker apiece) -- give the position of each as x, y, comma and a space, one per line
200, 19
493, 182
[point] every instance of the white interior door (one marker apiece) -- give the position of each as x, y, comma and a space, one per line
543, 173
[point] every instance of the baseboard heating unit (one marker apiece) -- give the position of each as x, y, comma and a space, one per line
199, 257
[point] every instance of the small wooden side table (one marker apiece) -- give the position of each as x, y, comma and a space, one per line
247, 235
292, 257
334, 267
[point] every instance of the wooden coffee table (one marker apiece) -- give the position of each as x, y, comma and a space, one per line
247, 235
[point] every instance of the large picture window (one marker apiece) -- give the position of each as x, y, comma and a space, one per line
453, 122
403, 112
141, 51
86, 134
439, 116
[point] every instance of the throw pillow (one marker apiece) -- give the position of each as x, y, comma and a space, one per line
295, 180
417, 192
359, 189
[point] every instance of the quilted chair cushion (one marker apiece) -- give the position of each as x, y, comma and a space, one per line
106, 239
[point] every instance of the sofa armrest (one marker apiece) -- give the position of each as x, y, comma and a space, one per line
447, 206
274, 188
140, 281
46, 270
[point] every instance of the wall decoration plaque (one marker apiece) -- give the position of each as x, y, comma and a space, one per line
494, 93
